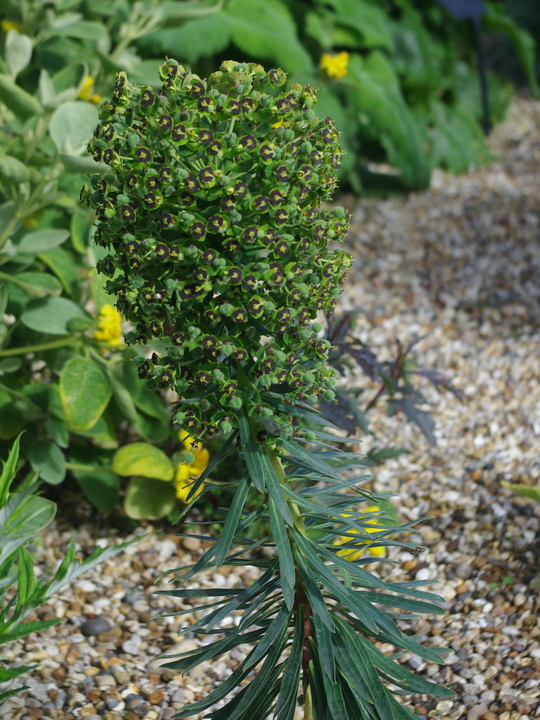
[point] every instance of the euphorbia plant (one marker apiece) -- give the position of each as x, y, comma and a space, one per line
212, 216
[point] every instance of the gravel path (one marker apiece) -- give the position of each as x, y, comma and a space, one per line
459, 265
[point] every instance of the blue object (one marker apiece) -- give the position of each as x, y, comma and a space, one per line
473, 10
464, 9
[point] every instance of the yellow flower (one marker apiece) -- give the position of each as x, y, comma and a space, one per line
8, 25
86, 93
186, 474
278, 124
109, 326
351, 554
335, 65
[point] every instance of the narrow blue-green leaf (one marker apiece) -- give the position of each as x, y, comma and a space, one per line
279, 532
347, 667
288, 693
313, 592
312, 460
275, 630
414, 683
334, 697
217, 458
231, 522
365, 668
361, 609
257, 461
324, 646
414, 606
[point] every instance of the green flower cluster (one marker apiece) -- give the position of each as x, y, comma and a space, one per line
212, 216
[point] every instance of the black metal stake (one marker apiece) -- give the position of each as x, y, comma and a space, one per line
482, 72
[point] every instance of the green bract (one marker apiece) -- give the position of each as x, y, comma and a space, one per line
212, 215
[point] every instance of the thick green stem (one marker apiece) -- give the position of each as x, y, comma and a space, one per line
39, 348
308, 708
88, 468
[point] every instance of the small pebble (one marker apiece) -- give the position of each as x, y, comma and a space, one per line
95, 626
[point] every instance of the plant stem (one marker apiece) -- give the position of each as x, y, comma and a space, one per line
38, 348
88, 468
308, 708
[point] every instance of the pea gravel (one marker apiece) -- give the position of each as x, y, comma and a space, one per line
458, 266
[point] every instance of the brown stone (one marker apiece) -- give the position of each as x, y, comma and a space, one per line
59, 673
94, 694
154, 678
489, 716
156, 698
461, 588
35, 713
150, 559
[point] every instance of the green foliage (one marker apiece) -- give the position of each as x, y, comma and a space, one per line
523, 490
315, 597
65, 375
399, 77
23, 515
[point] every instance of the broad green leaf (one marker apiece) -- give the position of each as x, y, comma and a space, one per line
143, 459
266, 29
365, 18
22, 104
41, 241
70, 76
148, 498
419, 58
145, 400
48, 461
47, 93
373, 90
18, 52
63, 265
124, 402
497, 19
72, 125
11, 420
82, 29
85, 391
13, 169
198, 38
172, 11
44, 280
51, 315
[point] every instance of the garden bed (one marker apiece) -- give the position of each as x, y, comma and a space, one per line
459, 266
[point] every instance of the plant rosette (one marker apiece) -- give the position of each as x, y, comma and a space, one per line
218, 254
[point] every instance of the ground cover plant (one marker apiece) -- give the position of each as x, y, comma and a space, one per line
65, 374
217, 248
398, 76
23, 515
